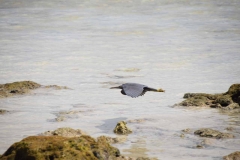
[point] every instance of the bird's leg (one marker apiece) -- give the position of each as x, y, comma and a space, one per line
160, 90
154, 90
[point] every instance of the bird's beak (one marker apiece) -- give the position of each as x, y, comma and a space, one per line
160, 90
115, 87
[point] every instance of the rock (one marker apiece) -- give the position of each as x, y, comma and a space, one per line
207, 132
232, 106
64, 132
228, 101
121, 139
121, 128
2, 111
195, 101
56, 87
63, 115
58, 147
233, 156
187, 130
234, 92
22, 87
209, 96
16, 88
223, 100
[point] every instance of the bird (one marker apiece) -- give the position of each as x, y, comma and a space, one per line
134, 89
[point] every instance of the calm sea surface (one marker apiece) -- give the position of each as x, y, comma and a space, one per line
89, 46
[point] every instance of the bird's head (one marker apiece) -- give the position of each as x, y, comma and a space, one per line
160, 90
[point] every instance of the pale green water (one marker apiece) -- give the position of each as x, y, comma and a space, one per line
180, 46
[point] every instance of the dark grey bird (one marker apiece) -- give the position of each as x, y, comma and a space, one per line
134, 89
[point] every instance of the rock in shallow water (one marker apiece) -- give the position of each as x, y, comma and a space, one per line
207, 132
233, 156
22, 87
122, 128
17, 88
226, 101
65, 132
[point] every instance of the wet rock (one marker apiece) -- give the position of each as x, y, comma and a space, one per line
229, 101
2, 111
121, 128
187, 130
195, 101
199, 146
17, 88
234, 92
63, 115
223, 100
233, 156
64, 132
58, 147
207, 132
22, 87
209, 96
232, 106
120, 139
56, 87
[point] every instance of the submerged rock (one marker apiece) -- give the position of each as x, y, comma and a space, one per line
233, 156
121, 128
58, 147
64, 132
210, 133
121, 139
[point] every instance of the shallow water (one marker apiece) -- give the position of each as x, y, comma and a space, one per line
90, 46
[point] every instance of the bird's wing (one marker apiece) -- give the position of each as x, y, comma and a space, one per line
133, 90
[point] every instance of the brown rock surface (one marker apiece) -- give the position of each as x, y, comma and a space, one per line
233, 156
207, 132
121, 128
58, 147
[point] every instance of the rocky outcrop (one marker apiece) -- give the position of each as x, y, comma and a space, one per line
58, 147
227, 101
17, 88
121, 128
22, 87
210, 133
233, 156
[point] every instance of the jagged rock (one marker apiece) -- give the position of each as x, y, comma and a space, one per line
121, 128
207, 132
233, 156
58, 147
